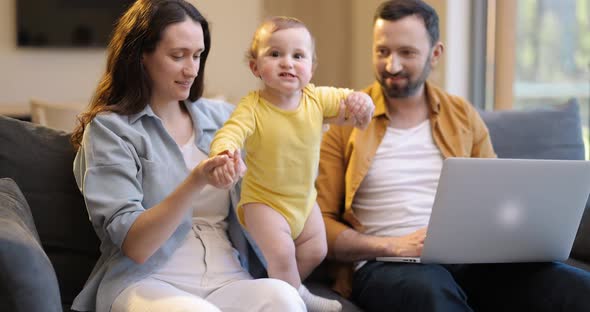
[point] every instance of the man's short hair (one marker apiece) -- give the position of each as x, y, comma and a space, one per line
394, 10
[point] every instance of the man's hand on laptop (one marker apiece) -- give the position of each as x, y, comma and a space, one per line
405, 246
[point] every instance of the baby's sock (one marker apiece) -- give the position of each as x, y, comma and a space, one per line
318, 304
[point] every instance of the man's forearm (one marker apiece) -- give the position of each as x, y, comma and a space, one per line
354, 246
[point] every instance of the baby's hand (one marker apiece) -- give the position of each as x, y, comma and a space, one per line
360, 107
239, 165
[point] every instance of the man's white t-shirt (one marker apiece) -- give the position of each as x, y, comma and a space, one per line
397, 194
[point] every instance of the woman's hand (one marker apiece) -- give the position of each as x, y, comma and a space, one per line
223, 170
217, 171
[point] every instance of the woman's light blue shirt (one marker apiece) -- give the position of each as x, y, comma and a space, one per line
127, 164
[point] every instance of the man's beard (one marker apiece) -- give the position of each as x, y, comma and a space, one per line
409, 89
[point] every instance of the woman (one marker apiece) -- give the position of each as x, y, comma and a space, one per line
163, 229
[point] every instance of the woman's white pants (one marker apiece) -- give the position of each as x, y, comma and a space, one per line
204, 275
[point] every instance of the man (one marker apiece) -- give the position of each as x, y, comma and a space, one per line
376, 189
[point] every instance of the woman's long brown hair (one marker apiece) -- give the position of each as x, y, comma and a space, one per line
124, 87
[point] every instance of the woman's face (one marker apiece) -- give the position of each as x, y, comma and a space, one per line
173, 66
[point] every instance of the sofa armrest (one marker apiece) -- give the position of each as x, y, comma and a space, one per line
27, 278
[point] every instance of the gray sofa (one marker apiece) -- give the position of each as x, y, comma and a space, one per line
48, 247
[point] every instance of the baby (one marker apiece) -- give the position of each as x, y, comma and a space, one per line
280, 127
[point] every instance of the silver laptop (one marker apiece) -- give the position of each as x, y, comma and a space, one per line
505, 210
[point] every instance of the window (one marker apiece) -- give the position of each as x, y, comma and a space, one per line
542, 54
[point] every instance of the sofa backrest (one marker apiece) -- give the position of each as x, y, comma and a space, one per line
40, 160
545, 133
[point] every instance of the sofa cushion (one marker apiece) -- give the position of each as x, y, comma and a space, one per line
30, 287
40, 160
545, 133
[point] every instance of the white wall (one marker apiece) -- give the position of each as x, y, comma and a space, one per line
362, 62
232, 24
71, 75
457, 47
